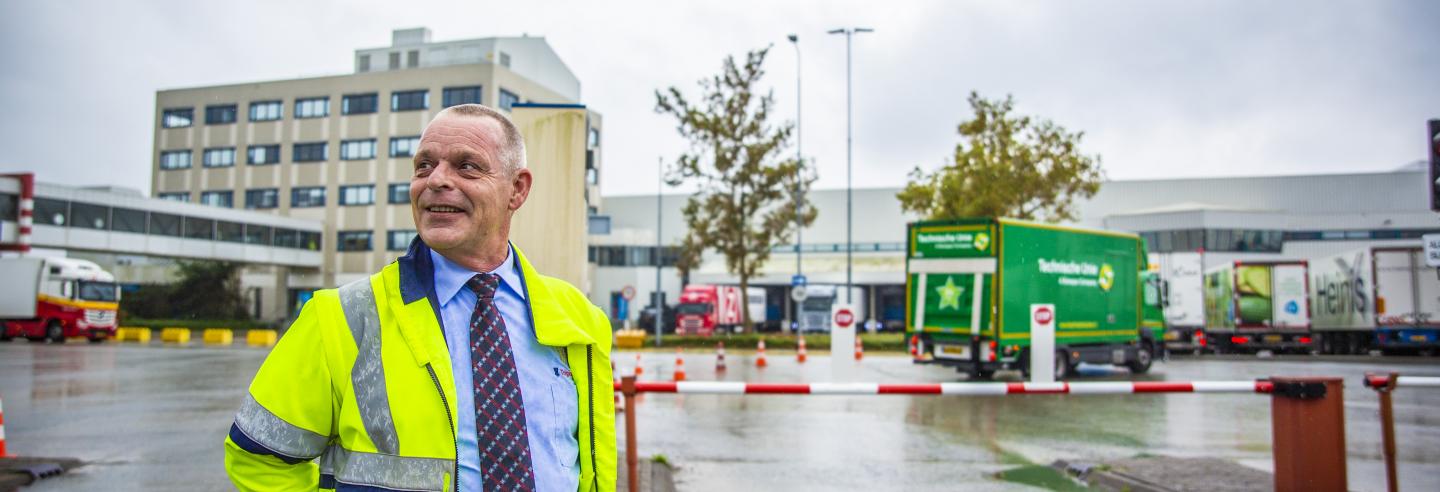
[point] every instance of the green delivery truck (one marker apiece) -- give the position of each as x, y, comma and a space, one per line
971, 283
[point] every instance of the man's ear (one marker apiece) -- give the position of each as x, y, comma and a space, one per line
520, 185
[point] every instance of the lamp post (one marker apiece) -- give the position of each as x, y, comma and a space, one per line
659, 293
849, 32
799, 157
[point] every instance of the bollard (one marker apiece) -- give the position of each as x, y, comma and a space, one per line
219, 336
175, 335
1307, 417
1387, 425
261, 338
632, 455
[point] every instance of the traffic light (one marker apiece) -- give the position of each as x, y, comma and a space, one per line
1434, 154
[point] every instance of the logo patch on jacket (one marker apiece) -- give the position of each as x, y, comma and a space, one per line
560, 371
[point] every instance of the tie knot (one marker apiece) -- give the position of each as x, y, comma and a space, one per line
484, 285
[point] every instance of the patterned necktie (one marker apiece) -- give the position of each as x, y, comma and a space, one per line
499, 410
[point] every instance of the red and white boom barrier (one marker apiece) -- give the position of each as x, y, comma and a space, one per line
956, 389
1383, 380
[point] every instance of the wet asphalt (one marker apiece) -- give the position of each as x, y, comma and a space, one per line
154, 418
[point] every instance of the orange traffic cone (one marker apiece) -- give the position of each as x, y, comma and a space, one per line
760, 354
915, 346
720, 357
800, 354
859, 348
3, 454
638, 368
679, 365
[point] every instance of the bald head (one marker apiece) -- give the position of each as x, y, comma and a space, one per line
512, 145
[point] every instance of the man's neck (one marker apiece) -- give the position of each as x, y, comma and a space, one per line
486, 260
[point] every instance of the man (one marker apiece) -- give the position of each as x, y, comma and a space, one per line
457, 367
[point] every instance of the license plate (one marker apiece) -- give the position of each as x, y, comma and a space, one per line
1117, 356
1274, 338
953, 351
1171, 336
1418, 338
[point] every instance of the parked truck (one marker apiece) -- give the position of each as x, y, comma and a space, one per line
815, 309
1258, 305
55, 298
705, 308
1382, 298
971, 284
1182, 298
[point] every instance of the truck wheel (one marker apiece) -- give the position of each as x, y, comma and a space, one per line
1063, 367
55, 332
1143, 359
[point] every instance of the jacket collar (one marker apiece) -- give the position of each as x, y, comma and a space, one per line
554, 320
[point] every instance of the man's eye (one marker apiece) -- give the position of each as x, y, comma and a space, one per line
470, 166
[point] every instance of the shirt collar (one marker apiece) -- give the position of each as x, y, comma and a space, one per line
451, 277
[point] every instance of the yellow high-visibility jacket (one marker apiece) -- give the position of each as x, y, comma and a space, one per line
359, 394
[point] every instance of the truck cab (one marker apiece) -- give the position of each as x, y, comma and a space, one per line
56, 298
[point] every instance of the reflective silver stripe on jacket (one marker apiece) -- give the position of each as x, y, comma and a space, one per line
357, 299
388, 471
276, 434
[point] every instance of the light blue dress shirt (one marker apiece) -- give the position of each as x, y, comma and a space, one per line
546, 385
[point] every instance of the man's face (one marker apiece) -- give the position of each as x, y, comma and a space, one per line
461, 195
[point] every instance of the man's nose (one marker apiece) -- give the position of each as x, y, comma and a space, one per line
442, 177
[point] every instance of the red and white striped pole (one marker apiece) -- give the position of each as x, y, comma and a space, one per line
954, 389
25, 219
3, 454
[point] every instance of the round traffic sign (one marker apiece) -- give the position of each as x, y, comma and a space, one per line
798, 293
844, 318
1044, 315
628, 292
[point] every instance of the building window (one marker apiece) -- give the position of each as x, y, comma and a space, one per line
314, 107
175, 159
359, 103
403, 146
364, 65
175, 196
310, 152
412, 59
454, 96
51, 212
351, 150
307, 197
230, 232
593, 139
218, 198
257, 155
399, 240
177, 118
508, 99
257, 234
353, 241
357, 195
127, 220
504, 59
198, 228
409, 100
220, 114
89, 216
287, 238
263, 198
266, 110
394, 60
164, 224
399, 193
220, 157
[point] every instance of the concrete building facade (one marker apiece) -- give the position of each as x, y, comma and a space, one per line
338, 150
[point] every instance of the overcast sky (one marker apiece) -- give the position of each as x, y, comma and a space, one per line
1161, 89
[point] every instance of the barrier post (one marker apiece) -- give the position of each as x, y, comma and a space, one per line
1387, 431
632, 454
1307, 418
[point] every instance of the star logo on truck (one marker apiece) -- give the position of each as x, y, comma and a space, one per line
950, 293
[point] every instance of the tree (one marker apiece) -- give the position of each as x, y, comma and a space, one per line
747, 193
1006, 166
207, 290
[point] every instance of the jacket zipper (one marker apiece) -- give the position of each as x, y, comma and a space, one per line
455, 475
590, 382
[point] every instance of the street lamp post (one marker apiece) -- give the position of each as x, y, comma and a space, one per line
799, 157
659, 293
849, 32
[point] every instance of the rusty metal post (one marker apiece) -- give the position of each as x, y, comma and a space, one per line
632, 453
1307, 417
1387, 431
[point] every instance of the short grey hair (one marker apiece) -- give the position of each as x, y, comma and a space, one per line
513, 150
